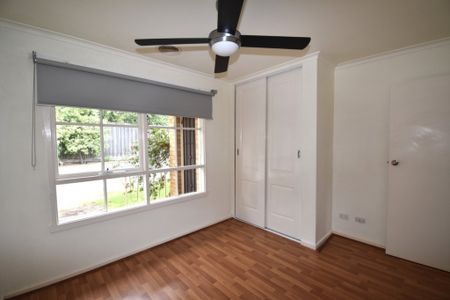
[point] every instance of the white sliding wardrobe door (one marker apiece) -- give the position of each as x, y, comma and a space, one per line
284, 153
250, 152
418, 223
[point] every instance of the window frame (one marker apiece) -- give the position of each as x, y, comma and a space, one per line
143, 170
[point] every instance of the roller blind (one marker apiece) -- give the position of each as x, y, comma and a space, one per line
72, 85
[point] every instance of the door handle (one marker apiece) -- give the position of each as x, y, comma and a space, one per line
299, 153
394, 162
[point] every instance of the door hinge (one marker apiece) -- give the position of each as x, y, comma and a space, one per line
237, 151
299, 153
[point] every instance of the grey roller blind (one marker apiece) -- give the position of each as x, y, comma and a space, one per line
71, 85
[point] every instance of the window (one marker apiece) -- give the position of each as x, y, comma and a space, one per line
107, 161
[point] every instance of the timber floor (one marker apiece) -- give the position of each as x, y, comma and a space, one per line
233, 260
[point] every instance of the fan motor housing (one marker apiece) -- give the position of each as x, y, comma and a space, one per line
216, 36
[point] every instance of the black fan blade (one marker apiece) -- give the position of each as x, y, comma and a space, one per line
177, 41
228, 15
221, 64
280, 42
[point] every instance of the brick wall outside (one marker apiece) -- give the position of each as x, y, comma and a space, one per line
176, 156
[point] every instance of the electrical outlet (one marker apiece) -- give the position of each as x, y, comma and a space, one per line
360, 220
343, 216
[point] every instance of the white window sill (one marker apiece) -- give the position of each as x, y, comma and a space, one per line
125, 212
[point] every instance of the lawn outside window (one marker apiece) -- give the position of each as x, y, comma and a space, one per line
111, 161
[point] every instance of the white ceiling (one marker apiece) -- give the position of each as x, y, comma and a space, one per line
341, 29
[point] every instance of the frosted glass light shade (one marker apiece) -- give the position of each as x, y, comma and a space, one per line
225, 48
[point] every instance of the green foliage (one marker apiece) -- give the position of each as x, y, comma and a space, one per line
158, 153
119, 117
78, 142
159, 186
119, 199
77, 115
161, 120
81, 142
158, 148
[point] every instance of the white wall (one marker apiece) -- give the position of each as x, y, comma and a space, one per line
308, 146
29, 253
325, 94
360, 149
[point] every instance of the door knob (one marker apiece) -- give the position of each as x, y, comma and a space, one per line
394, 162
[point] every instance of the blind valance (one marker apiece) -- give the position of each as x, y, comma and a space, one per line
66, 84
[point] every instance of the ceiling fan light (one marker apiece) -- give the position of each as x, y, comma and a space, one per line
225, 48
223, 43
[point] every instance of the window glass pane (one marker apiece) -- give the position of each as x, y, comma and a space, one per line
190, 181
162, 185
121, 147
80, 200
77, 115
187, 122
125, 192
167, 149
78, 149
119, 117
190, 145
160, 120
191, 123
161, 148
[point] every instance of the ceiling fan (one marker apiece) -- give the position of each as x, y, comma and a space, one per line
226, 40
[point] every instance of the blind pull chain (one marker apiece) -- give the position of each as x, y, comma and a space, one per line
33, 117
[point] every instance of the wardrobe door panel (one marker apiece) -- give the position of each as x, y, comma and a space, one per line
284, 153
250, 151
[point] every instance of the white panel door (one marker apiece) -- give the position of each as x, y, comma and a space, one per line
251, 151
418, 227
283, 153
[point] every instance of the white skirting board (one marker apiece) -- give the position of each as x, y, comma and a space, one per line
358, 239
323, 240
108, 261
317, 245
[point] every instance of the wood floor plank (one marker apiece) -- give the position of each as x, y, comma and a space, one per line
233, 260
